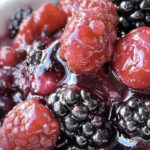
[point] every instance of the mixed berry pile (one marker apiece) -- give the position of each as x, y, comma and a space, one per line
77, 77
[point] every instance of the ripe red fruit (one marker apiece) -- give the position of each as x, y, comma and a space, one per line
87, 42
131, 60
45, 20
29, 126
10, 56
105, 5
69, 6
44, 84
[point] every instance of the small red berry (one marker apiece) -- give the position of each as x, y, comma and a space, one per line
44, 21
131, 60
10, 56
29, 126
44, 84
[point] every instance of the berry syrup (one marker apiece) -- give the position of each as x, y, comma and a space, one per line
16, 85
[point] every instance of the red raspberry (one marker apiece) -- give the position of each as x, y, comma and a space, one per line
45, 20
131, 59
44, 84
10, 56
69, 6
87, 42
29, 126
106, 6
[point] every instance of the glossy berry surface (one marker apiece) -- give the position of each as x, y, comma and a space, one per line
132, 14
70, 97
133, 118
45, 71
83, 119
69, 6
131, 58
10, 56
16, 19
88, 38
29, 126
44, 21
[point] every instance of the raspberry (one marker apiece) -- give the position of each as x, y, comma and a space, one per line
16, 19
105, 5
69, 6
44, 21
10, 56
131, 58
87, 42
83, 119
132, 118
29, 126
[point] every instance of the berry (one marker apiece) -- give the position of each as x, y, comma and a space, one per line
44, 21
29, 126
69, 6
132, 14
16, 19
35, 56
10, 56
132, 118
83, 119
45, 69
131, 58
87, 42
45, 84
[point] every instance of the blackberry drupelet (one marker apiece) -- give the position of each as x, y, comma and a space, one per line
44, 58
133, 118
83, 120
132, 14
16, 19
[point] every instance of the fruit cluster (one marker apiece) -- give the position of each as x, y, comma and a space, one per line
69, 82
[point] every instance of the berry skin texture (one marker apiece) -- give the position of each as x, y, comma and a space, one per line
87, 42
83, 119
45, 20
45, 84
137, 15
69, 6
29, 126
9, 56
131, 58
133, 118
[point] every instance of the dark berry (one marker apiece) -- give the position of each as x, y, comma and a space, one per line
83, 119
35, 55
126, 6
145, 5
16, 19
132, 14
133, 118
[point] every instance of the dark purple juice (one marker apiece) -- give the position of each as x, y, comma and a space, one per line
16, 84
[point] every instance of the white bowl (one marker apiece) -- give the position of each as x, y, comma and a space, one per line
7, 7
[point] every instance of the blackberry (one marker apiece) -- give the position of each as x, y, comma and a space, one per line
83, 120
16, 19
43, 58
133, 118
35, 56
132, 14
